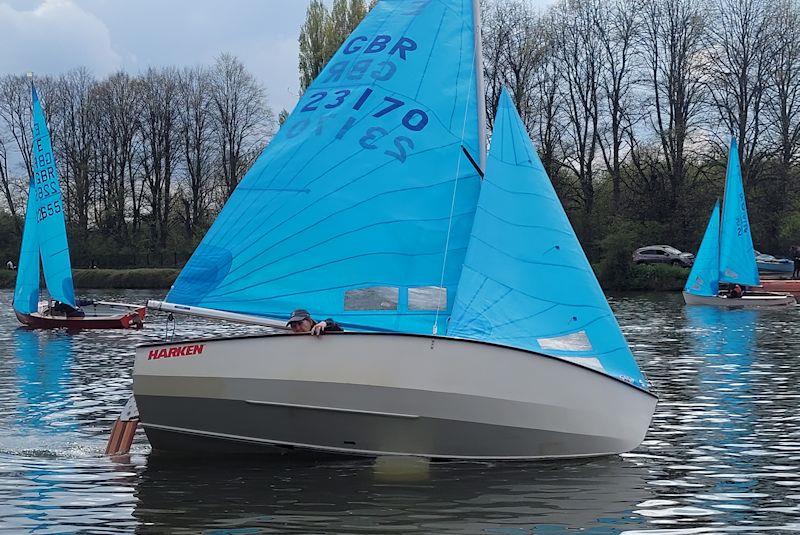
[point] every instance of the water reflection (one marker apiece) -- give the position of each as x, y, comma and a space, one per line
43, 361
389, 495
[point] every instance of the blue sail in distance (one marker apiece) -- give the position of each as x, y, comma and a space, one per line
737, 261
51, 232
526, 281
704, 277
26, 290
360, 207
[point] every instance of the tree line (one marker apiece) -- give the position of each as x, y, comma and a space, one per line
145, 161
632, 105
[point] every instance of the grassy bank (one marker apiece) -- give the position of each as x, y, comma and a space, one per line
657, 278
144, 278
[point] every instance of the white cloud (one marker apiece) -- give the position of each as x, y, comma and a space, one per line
53, 37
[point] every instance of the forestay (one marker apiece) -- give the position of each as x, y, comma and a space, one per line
45, 231
526, 281
360, 207
737, 263
704, 277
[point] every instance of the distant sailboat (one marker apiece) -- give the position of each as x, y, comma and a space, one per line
476, 328
45, 237
726, 252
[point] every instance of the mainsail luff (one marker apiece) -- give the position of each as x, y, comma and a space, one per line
526, 281
355, 207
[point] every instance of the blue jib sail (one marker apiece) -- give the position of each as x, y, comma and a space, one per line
360, 207
737, 262
704, 277
26, 291
526, 281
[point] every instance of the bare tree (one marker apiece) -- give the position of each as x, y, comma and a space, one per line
618, 30
673, 50
242, 120
196, 132
74, 122
740, 59
118, 100
160, 94
579, 53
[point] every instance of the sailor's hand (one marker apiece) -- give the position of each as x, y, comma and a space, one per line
319, 328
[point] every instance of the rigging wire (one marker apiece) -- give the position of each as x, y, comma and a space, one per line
435, 329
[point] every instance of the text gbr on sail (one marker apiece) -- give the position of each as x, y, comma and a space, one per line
364, 65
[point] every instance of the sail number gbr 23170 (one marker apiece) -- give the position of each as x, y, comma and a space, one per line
409, 118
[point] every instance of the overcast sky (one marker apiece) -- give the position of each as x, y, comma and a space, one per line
52, 36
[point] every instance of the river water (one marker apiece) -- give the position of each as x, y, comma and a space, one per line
722, 454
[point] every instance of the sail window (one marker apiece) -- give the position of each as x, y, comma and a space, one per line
427, 298
372, 298
569, 342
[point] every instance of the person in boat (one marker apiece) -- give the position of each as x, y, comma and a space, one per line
302, 322
736, 292
795, 254
60, 308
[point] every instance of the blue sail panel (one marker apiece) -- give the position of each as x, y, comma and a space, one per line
26, 291
526, 281
50, 227
704, 277
364, 199
737, 260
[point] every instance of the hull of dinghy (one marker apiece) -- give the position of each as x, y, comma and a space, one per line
752, 300
382, 394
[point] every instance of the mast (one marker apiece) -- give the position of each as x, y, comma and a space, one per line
480, 91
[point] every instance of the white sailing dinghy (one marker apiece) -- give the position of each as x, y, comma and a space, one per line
726, 253
362, 209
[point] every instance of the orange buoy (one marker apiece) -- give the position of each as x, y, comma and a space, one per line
123, 430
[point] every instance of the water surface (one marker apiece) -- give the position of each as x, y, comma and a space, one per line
722, 454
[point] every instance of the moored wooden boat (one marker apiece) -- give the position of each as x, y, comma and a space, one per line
782, 286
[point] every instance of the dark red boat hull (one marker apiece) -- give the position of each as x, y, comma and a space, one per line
130, 320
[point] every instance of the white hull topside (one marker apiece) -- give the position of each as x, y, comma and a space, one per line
382, 394
760, 299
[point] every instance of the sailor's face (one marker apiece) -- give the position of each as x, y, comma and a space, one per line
302, 326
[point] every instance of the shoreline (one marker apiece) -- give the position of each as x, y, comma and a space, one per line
631, 278
102, 279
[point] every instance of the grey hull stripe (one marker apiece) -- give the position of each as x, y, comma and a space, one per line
366, 453
330, 409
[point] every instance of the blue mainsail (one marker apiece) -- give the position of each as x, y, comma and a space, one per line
737, 262
704, 277
26, 291
526, 281
51, 232
360, 207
